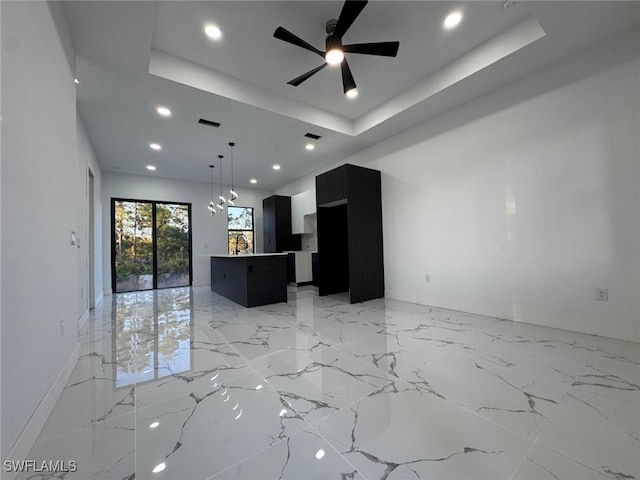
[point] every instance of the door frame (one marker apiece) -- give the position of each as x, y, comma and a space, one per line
91, 242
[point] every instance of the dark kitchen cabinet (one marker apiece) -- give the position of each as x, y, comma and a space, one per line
350, 249
276, 221
315, 265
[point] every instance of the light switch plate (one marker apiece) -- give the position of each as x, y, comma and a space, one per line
602, 294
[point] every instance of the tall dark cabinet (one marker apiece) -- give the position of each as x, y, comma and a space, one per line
276, 221
350, 251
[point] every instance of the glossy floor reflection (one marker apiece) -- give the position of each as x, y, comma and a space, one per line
183, 384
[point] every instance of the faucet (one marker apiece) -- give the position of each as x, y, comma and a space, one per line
238, 241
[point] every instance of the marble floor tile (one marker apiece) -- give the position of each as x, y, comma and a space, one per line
545, 464
599, 433
305, 455
211, 429
91, 397
613, 371
268, 342
105, 451
398, 432
516, 400
206, 361
501, 350
318, 384
194, 386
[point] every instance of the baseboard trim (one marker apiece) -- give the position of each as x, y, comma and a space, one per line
27, 438
82, 321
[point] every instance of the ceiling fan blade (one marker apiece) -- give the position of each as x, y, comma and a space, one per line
383, 49
350, 11
287, 36
348, 82
297, 81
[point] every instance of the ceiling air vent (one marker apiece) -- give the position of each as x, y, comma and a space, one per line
202, 121
311, 135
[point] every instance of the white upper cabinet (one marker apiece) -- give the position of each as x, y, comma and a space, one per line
302, 204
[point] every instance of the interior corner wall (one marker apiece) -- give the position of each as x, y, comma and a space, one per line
209, 233
40, 209
88, 160
521, 203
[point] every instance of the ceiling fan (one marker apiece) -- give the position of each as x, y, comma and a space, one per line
335, 50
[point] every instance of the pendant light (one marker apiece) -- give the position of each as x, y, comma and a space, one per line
212, 206
232, 192
222, 199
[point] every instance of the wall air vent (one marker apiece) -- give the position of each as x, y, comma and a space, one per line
311, 135
203, 121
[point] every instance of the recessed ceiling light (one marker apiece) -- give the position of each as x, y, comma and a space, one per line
309, 146
276, 167
353, 93
151, 168
154, 425
164, 111
160, 467
213, 32
253, 180
76, 81
452, 20
319, 454
155, 146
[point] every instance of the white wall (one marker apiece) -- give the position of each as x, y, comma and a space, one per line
88, 160
42, 203
206, 229
520, 204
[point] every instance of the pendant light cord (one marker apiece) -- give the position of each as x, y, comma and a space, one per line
211, 167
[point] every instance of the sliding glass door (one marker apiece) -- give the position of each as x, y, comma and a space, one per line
151, 245
173, 245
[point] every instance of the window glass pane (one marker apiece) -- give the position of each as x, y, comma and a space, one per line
240, 218
240, 242
172, 234
240, 227
133, 246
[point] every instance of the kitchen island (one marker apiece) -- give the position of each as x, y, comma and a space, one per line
250, 280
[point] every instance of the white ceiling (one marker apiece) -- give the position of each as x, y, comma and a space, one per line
135, 56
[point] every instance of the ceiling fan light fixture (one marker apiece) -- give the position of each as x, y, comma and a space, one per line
334, 56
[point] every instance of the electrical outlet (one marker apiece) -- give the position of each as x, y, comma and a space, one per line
427, 278
602, 294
